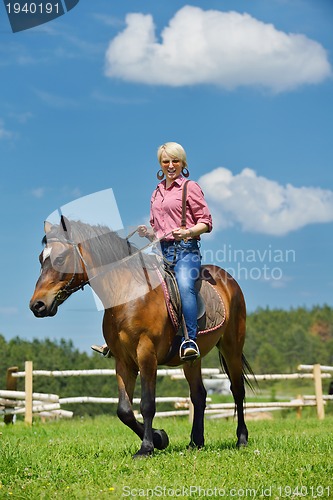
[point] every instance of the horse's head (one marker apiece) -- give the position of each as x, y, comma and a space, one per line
62, 270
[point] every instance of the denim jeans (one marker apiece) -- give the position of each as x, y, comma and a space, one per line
185, 260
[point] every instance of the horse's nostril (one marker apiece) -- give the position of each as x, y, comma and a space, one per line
39, 306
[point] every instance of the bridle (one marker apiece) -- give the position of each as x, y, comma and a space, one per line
67, 290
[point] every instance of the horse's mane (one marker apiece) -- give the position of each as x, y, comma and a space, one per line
104, 244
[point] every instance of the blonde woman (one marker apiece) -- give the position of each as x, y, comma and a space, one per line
180, 245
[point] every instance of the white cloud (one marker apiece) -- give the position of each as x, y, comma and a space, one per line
22, 117
9, 310
261, 205
4, 133
56, 101
72, 192
38, 192
107, 98
282, 282
112, 21
227, 49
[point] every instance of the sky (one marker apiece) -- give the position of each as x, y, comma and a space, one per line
244, 85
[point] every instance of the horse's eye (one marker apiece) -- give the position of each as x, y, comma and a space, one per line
59, 261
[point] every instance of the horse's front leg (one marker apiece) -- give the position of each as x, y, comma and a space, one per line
198, 395
148, 367
126, 378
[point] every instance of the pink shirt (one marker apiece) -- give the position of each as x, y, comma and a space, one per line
166, 207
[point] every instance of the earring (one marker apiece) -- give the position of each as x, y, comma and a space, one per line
185, 172
160, 174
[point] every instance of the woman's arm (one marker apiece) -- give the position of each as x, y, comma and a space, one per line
181, 233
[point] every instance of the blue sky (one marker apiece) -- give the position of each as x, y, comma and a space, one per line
245, 86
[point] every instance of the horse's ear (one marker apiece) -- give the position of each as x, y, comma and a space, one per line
66, 227
47, 226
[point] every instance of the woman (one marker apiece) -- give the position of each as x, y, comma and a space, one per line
180, 245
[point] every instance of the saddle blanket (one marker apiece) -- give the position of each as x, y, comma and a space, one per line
213, 314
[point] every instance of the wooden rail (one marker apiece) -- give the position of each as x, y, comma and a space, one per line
12, 402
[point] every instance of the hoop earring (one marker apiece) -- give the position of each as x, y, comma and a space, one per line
185, 172
160, 174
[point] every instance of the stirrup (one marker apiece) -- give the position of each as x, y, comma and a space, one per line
104, 350
189, 353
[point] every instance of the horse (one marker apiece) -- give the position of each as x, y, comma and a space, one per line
136, 324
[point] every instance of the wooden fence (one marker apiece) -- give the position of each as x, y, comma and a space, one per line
13, 402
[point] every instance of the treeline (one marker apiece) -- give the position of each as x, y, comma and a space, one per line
277, 342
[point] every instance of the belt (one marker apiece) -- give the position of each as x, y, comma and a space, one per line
169, 243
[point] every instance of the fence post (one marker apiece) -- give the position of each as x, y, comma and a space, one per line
299, 408
11, 385
318, 391
28, 392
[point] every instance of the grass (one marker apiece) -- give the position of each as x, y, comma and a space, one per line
92, 458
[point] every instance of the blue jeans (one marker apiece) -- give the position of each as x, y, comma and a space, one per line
185, 260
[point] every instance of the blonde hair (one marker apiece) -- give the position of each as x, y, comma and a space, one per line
174, 150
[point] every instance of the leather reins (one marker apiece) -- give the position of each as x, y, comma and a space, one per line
66, 291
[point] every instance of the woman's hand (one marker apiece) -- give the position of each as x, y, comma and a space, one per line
142, 231
181, 234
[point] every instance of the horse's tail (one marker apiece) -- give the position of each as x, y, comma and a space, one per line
246, 371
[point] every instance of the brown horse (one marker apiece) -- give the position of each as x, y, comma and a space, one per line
136, 324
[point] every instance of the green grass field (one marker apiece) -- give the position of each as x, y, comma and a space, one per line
92, 458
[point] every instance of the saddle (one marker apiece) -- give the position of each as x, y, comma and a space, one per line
211, 311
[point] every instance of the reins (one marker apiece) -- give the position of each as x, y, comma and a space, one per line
64, 293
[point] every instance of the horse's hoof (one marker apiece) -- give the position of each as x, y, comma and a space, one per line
143, 454
242, 442
193, 446
160, 439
